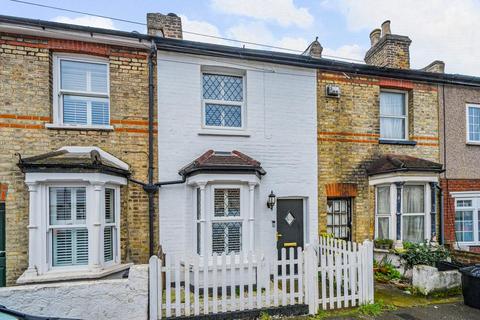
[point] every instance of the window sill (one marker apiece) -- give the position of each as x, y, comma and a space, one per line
223, 132
70, 127
473, 143
66, 275
398, 142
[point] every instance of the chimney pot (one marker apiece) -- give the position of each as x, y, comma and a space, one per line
386, 28
375, 36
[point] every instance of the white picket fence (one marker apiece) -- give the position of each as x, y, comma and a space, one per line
331, 274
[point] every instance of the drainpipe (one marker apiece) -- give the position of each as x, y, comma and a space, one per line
150, 188
440, 218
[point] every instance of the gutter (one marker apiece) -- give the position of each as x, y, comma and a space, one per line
214, 50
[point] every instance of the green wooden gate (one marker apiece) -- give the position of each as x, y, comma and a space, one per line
2, 245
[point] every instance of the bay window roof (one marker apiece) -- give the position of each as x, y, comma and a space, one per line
220, 161
75, 159
402, 163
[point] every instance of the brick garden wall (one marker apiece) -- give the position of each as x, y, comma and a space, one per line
348, 138
25, 108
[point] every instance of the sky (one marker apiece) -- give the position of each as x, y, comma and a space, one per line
446, 30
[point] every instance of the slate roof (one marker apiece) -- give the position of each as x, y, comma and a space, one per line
398, 163
220, 161
65, 161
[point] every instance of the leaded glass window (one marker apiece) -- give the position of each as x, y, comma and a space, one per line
223, 99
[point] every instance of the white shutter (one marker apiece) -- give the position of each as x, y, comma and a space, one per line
62, 247
100, 112
70, 247
109, 205
83, 76
226, 237
81, 204
74, 110
60, 205
108, 235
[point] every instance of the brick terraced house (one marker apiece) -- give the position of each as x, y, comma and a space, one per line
257, 150
460, 153
73, 119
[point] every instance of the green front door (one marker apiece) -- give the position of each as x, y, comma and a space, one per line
2, 245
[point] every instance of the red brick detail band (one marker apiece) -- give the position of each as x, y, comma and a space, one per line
336, 190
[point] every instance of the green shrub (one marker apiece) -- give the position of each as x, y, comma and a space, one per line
385, 271
423, 253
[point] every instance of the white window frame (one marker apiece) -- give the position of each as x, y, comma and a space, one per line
242, 103
475, 208
90, 206
211, 219
470, 105
405, 93
52, 227
417, 214
58, 93
384, 215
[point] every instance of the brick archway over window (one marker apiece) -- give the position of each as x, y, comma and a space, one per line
341, 190
3, 191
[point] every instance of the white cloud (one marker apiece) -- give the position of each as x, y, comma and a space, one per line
349, 51
201, 27
283, 12
87, 21
257, 32
440, 29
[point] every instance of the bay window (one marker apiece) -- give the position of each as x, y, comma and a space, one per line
414, 211
81, 92
393, 115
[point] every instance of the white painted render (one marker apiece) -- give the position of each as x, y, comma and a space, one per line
119, 299
280, 132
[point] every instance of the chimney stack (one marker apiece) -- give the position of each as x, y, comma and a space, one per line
167, 26
387, 49
436, 66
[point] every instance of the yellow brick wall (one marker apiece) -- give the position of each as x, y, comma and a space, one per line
348, 133
25, 108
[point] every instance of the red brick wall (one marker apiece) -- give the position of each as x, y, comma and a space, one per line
454, 185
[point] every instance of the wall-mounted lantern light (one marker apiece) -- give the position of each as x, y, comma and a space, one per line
271, 200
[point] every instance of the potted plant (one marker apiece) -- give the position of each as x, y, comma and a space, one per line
385, 244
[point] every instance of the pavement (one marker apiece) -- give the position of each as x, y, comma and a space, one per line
449, 311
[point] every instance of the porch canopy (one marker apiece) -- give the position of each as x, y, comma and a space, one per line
223, 162
75, 160
390, 163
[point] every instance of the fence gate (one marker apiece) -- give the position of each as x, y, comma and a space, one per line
331, 274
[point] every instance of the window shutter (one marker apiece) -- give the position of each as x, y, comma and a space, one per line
81, 205
226, 237
74, 110
60, 205
70, 247
81, 248
227, 202
100, 113
83, 76
109, 205
62, 247
108, 243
